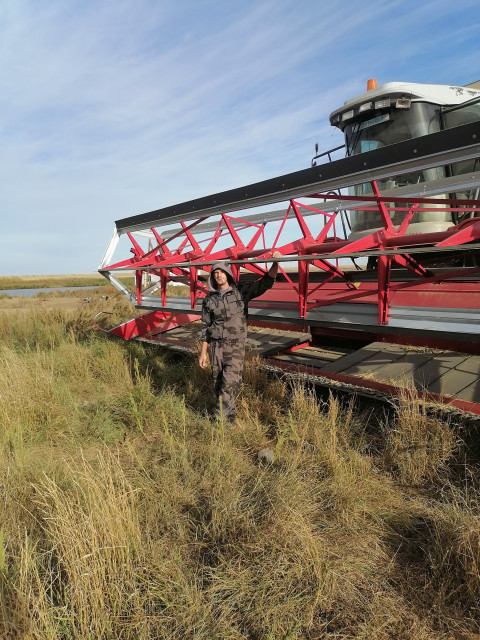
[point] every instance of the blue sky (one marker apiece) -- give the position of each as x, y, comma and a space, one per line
115, 107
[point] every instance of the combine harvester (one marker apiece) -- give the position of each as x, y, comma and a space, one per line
379, 286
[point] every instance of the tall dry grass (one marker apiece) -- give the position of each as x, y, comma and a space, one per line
126, 513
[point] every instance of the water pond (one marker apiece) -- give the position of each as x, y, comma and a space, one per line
31, 292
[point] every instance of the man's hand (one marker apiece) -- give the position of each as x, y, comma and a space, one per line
273, 271
202, 359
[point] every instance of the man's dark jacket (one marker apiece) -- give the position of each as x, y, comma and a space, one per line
224, 315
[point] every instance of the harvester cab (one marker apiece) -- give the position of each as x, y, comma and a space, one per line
399, 111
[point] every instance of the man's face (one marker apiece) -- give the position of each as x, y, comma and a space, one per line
220, 278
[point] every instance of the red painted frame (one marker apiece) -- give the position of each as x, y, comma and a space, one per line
321, 250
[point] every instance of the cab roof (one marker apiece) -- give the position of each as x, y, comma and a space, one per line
440, 94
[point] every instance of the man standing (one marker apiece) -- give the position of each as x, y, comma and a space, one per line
224, 330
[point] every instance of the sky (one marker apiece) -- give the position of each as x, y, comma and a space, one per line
111, 108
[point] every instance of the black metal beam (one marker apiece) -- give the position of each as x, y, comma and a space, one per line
347, 171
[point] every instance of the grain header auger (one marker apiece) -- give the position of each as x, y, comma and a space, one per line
379, 284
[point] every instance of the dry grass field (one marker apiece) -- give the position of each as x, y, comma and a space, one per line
126, 514
42, 281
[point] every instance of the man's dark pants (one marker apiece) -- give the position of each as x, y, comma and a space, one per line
226, 358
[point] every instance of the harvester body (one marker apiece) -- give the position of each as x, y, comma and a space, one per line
380, 275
